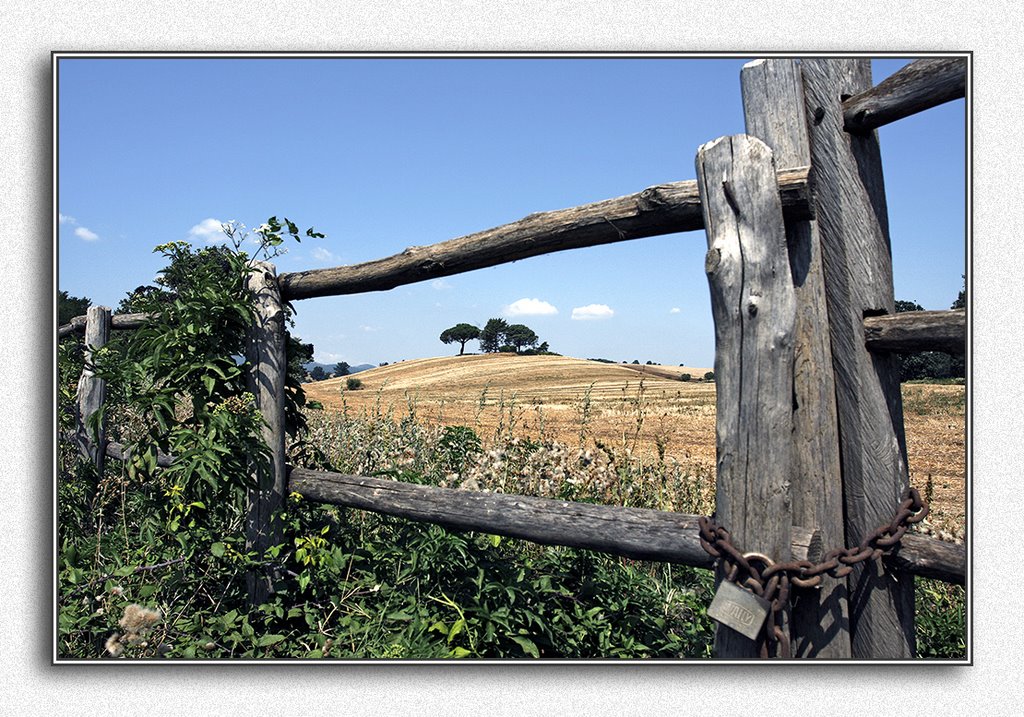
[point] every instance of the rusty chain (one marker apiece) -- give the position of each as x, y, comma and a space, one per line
773, 580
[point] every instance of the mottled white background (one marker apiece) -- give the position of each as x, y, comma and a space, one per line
30, 685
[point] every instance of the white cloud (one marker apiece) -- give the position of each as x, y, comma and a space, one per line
369, 329
207, 230
591, 312
675, 310
84, 233
65, 219
440, 285
529, 307
323, 255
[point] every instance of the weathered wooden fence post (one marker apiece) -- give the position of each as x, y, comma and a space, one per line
92, 390
266, 354
753, 307
773, 105
852, 221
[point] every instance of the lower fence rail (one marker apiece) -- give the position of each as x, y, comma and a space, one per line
638, 533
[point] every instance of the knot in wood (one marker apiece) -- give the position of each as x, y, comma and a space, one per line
650, 199
752, 307
712, 260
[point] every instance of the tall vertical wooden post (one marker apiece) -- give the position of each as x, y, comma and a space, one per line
852, 221
266, 354
753, 307
773, 105
92, 390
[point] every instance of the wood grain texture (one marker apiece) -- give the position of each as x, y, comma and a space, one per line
118, 321
918, 86
92, 390
636, 533
931, 558
912, 331
753, 306
266, 354
661, 209
773, 106
853, 224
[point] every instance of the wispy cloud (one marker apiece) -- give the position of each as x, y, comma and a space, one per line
675, 310
369, 329
529, 307
440, 285
592, 312
80, 231
207, 230
324, 256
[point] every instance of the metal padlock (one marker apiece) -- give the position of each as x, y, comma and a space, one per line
739, 609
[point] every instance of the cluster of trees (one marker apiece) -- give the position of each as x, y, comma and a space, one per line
496, 336
340, 369
68, 307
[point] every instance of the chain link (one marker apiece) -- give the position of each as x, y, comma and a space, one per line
772, 582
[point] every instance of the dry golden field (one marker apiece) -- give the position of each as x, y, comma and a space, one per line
645, 410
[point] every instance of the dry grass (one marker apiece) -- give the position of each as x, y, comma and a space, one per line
545, 398
643, 410
934, 418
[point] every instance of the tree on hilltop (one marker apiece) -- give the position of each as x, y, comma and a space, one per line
519, 336
961, 300
461, 333
492, 337
342, 369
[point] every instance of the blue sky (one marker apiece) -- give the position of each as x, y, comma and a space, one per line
381, 154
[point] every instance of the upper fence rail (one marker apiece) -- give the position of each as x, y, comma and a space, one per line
919, 86
661, 209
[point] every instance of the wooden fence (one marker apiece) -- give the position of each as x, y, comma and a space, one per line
810, 440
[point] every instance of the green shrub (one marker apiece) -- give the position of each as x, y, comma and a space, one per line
353, 384
685, 377
316, 405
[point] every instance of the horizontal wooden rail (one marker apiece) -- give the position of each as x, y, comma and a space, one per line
913, 331
118, 321
932, 558
118, 452
636, 533
918, 86
661, 209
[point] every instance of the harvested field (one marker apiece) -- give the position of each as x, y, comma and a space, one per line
645, 410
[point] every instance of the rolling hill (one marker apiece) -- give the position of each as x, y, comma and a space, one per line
543, 377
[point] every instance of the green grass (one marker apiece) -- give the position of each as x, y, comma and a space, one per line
354, 584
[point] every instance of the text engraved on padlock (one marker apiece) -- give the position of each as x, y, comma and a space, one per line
739, 609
